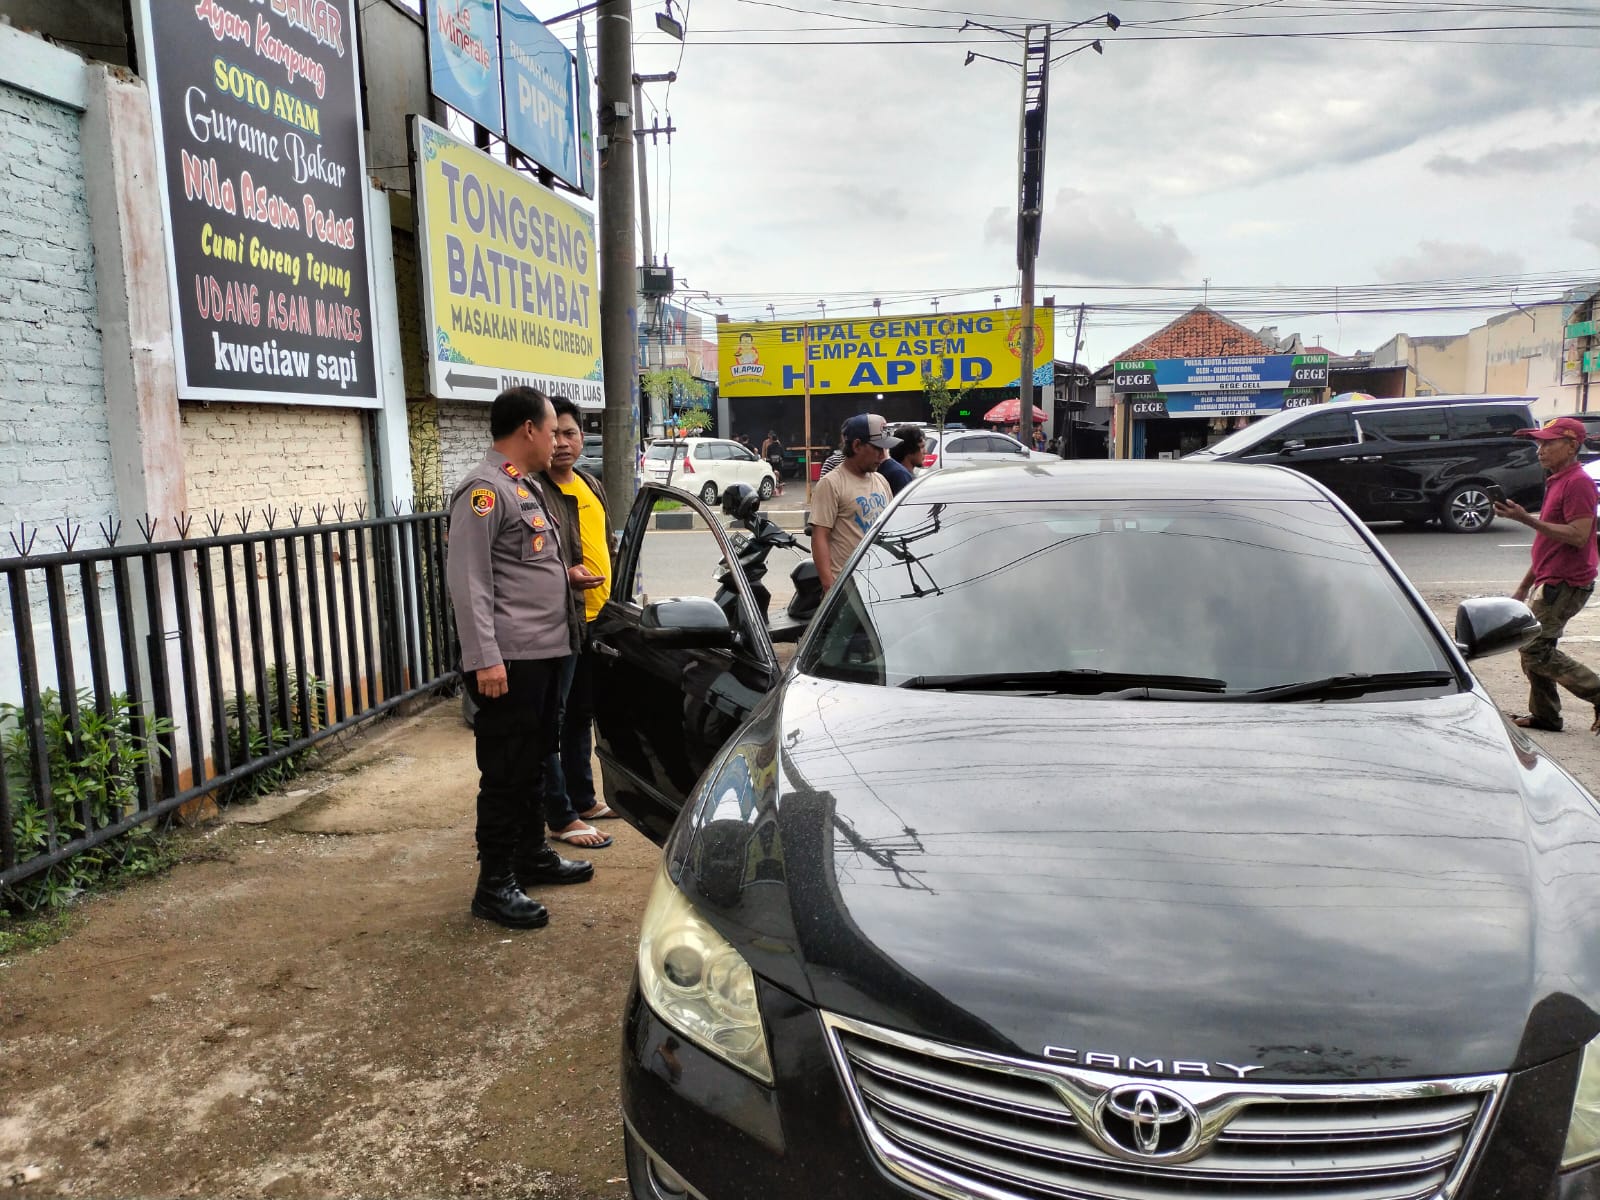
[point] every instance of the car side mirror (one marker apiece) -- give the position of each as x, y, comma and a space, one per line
690, 624
1492, 625
1292, 447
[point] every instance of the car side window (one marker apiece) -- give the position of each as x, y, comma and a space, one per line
1406, 425
1007, 446
1315, 432
740, 454
720, 452
1487, 420
679, 555
704, 449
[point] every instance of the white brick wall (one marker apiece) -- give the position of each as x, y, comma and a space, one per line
55, 446
463, 438
252, 455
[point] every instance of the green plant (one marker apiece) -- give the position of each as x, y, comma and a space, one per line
285, 712
940, 398
666, 384
94, 782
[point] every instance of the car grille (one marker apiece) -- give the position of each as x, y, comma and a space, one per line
964, 1124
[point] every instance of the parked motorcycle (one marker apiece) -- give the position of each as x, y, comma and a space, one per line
764, 535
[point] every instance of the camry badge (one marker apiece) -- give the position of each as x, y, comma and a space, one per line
1148, 1122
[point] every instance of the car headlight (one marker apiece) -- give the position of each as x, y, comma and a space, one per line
698, 984
1583, 1129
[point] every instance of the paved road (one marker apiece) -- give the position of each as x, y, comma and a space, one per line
1492, 561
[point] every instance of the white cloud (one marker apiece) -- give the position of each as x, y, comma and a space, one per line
1586, 224
1101, 239
1526, 160
1449, 260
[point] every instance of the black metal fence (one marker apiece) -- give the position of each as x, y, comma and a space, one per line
148, 675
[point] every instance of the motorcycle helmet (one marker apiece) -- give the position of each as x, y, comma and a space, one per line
740, 501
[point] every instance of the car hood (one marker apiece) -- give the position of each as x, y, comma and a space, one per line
1335, 891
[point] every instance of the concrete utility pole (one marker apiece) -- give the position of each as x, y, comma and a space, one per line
618, 265
648, 304
1036, 63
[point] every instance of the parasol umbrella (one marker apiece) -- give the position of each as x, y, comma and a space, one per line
1009, 412
1351, 397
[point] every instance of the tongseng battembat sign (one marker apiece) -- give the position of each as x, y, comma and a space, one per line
258, 129
1257, 373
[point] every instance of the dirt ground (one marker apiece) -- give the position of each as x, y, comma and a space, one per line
304, 1007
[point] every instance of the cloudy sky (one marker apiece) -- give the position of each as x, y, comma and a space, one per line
810, 171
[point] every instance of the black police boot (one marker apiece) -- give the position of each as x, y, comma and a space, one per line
544, 865
500, 900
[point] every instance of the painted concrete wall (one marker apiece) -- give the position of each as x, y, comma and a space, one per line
253, 455
55, 442
463, 438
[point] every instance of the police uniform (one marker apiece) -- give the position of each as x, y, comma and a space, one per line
513, 607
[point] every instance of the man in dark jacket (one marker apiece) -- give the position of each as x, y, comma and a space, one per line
511, 589
570, 800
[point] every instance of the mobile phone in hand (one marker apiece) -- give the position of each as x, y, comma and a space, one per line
1496, 493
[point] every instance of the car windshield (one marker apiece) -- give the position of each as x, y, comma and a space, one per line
1221, 596
1244, 438
662, 451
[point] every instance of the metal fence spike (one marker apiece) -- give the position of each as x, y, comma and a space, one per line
215, 519
269, 514
147, 526
361, 510
319, 510
338, 509
69, 535
183, 521
242, 519
399, 508
111, 532
296, 511
25, 544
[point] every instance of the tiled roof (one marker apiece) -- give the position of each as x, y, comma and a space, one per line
1199, 333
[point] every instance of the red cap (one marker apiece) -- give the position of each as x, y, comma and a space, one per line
1557, 427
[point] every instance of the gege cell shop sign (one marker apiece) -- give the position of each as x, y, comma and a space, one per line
1244, 373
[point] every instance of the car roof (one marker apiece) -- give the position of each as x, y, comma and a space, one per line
1416, 402
1129, 480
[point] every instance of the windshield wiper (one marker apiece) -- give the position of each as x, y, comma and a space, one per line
1083, 682
1353, 684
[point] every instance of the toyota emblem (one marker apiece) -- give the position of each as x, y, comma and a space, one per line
1148, 1122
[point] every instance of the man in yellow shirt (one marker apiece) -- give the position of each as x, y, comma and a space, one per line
570, 800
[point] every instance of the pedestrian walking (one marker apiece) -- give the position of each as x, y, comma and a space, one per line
831, 463
772, 449
1560, 578
911, 448
569, 796
846, 502
512, 593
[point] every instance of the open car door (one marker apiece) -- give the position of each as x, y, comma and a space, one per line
676, 669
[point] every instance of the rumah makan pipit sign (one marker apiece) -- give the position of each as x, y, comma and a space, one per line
511, 282
259, 146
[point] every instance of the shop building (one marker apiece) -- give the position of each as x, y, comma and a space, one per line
1199, 379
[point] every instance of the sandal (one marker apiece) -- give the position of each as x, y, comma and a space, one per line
1532, 722
572, 837
603, 811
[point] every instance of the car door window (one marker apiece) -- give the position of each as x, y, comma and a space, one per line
1005, 445
721, 452
1406, 425
966, 445
1322, 430
1488, 421
703, 450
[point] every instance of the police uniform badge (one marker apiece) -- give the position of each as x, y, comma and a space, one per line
510, 470
482, 500
523, 492
538, 542
538, 522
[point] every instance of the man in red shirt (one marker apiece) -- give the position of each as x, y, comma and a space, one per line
1560, 579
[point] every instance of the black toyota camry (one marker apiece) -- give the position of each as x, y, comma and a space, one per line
1117, 831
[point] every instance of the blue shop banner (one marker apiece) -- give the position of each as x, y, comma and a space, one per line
585, 114
538, 79
464, 59
1215, 376
1222, 404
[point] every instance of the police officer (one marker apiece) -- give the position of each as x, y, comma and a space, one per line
512, 593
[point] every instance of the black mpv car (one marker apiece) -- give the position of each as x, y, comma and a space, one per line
1117, 831
1402, 460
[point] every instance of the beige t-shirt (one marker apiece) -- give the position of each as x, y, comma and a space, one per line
846, 505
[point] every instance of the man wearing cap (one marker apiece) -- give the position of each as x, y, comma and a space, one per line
1561, 578
847, 501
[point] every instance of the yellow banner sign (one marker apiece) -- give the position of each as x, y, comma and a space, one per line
882, 354
510, 275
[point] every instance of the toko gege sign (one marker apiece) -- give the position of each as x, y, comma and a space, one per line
511, 280
881, 354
